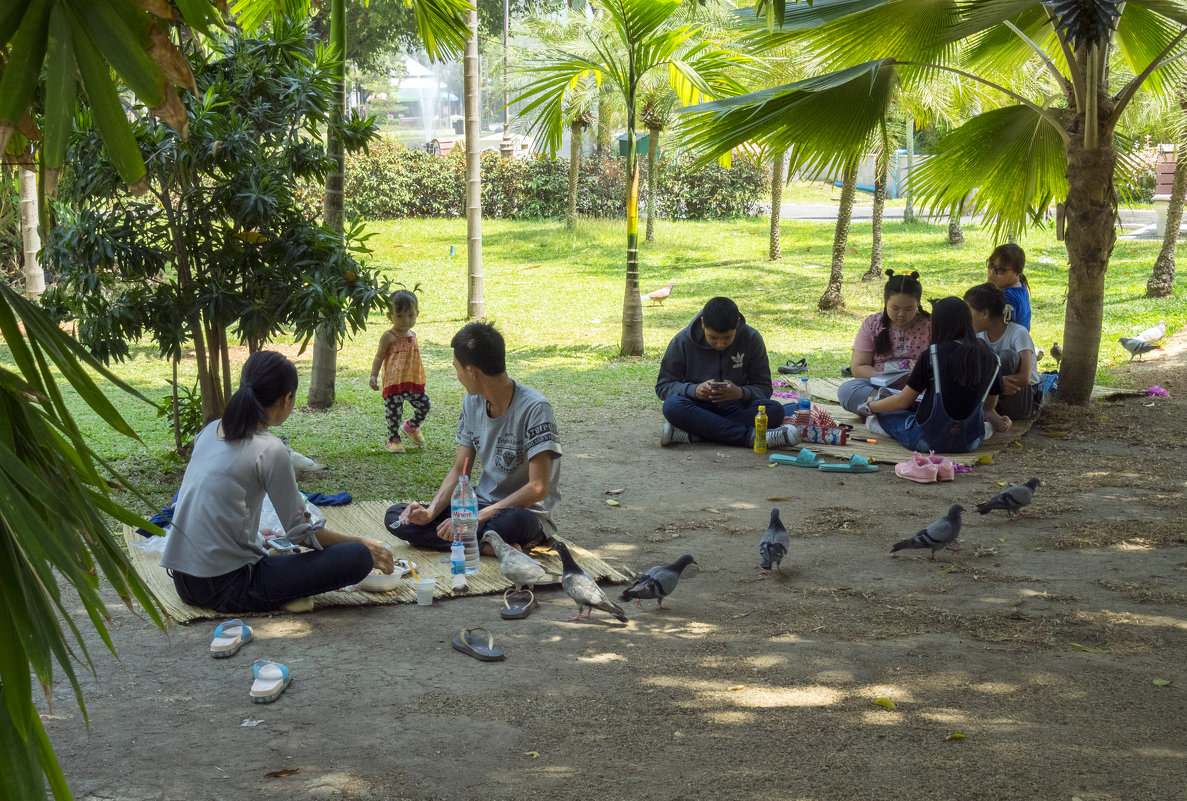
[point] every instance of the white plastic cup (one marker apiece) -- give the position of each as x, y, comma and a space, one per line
424, 590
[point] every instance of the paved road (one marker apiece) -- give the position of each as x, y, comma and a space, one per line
1130, 218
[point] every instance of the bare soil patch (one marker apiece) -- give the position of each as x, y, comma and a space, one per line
1039, 641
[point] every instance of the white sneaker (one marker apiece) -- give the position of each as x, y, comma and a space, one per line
673, 436
783, 437
873, 427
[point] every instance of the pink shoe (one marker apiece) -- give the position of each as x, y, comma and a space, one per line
919, 469
945, 470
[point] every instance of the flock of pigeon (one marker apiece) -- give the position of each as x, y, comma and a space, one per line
660, 581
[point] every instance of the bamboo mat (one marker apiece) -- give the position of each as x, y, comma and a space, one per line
365, 519
889, 452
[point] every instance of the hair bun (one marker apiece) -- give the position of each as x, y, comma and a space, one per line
914, 274
890, 273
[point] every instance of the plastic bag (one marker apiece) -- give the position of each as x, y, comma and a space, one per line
270, 520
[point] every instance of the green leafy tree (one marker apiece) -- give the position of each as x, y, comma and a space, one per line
220, 244
1018, 157
628, 40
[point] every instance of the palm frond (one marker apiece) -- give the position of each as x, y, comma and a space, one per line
1009, 164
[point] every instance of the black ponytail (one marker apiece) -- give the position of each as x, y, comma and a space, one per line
267, 377
896, 285
972, 359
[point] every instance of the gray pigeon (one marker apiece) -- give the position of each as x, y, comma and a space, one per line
584, 591
519, 568
1012, 499
658, 582
774, 543
1137, 347
938, 535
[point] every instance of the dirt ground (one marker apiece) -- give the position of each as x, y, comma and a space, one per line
1039, 642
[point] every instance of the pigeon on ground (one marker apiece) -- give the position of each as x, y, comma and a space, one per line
1056, 352
1152, 334
1012, 499
658, 582
661, 294
938, 535
519, 568
1137, 347
584, 591
774, 543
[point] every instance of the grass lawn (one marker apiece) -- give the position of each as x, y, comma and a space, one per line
557, 296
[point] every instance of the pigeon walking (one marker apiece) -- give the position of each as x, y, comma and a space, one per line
584, 591
774, 543
1154, 333
938, 535
660, 295
657, 582
1056, 352
1137, 347
1011, 499
519, 568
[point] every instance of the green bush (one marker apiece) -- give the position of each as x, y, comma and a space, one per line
392, 181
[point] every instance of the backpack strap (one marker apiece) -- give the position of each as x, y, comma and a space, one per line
935, 370
996, 369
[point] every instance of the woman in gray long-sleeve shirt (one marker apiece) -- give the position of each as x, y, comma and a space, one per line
214, 552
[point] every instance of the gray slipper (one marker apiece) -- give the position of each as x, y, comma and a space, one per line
518, 605
470, 645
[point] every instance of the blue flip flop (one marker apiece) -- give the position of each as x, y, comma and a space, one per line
856, 464
229, 637
805, 458
271, 679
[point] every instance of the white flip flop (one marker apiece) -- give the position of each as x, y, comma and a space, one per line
271, 678
229, 637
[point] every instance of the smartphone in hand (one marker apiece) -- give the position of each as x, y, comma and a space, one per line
719, 384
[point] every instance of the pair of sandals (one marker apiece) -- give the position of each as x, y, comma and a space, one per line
806, 458
270, 678
794, 368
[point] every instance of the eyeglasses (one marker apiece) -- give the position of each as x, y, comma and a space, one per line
996, 270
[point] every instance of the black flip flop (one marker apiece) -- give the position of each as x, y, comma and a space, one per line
468, 644
518, 605
794, 368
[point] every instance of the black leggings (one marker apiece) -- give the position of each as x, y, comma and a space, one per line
516, 526
275, 580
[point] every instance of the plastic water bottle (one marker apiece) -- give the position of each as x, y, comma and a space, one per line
463, 510
803, 415
457, 555
760, 430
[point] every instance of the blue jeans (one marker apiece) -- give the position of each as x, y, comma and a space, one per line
275, 580
516, 526
730, 422
907, 432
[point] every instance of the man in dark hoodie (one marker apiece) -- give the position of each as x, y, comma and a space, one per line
712, 380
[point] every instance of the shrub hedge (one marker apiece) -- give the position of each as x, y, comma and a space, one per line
393, 181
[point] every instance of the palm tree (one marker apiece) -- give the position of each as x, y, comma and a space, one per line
778, 178
629, 40
656, 101
579, 119
1162, 280
832, 298
881, 172
475, 306
1018, 157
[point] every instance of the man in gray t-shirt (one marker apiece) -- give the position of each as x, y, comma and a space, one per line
511, 431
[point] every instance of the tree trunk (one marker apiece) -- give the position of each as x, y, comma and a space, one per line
1163, 278
632, 305
602, 143
1091, 212
955, 230
30, 234
875, 271
909, 209
574, 173
652, 179
475, 308
325, 352
831, 299
176, 408
778, 165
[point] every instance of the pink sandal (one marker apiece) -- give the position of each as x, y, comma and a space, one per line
919, 469
945, 470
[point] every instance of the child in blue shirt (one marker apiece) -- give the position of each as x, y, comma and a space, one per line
1006, 264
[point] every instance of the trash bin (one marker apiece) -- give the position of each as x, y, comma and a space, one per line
459, 127
640, 143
